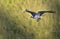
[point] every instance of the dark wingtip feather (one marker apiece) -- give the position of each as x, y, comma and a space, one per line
52, 11
26, 10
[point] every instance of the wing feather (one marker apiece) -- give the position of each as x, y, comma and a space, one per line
31, 12
42, 12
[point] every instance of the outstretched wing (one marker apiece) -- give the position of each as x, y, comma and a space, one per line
33, 13
42, 12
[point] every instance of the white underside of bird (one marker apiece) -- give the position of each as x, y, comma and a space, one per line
36, 16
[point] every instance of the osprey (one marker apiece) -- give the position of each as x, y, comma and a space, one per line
37, 15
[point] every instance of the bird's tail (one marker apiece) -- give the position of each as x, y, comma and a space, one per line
38, 19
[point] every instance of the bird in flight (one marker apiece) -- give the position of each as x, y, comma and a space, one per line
38, 15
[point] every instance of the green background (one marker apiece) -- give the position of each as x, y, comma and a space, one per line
15, 22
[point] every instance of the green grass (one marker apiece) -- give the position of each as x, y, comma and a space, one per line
15, 23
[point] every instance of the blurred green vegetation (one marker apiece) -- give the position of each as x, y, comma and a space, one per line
15, 23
